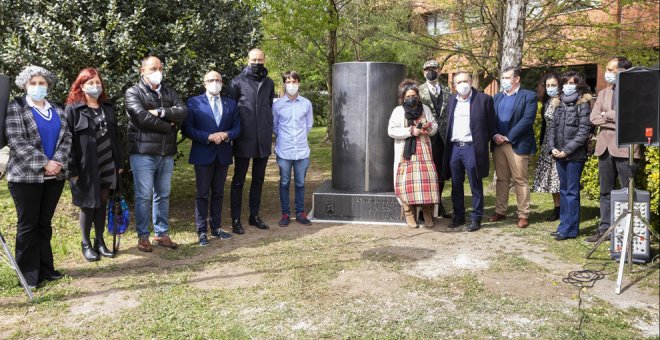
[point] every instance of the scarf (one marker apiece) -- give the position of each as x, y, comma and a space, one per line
570, 99
256, 75
411, 114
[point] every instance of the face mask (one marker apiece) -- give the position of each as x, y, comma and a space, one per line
292, 89
93, 91
155, 78
432, 75
37, 92
463, 88
214, 88
257, 68
412, 101
610, 77
506, 84
552, 91
569, 89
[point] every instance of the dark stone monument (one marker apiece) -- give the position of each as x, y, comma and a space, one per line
361, 190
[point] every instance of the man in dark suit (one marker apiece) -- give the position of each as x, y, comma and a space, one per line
515, 109
212, 124
471, 126
254, 92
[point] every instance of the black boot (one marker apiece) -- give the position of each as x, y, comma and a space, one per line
89, 253
442, 212
99, 246
554, 216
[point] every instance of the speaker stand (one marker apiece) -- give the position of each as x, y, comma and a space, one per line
9, 260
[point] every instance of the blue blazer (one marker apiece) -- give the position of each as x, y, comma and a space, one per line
200, 123
521, 125
482, 127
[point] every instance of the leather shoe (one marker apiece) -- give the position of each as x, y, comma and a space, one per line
237, 227
496, 217
258, 222
523, 223
99, 246
442, 212
475, 225
561, 237
456, 222
89, 253
595, 237
54, 276
554, 233
165, 241
144, 244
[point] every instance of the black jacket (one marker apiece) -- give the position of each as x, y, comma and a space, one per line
83, 160
148, 134
255, 101
482, 127
570, 128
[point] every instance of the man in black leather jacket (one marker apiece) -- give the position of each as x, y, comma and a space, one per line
254, 92
156, 114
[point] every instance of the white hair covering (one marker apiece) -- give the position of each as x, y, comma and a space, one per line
31, 71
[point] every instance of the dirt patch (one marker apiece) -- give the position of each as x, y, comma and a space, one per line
358, 282
108, 303
228, 277
398, 254
447, 264
526, 285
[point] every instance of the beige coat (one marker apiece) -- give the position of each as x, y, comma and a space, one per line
398, 130
603, 116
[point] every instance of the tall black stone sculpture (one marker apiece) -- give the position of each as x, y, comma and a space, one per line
361, 190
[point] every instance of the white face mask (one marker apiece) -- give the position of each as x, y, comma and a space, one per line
463, 88
610, 77
37, 92
291, 89
155, 78
506, 84
214, 88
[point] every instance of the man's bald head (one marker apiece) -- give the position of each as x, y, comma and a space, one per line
256, 56
212, 75
149, 61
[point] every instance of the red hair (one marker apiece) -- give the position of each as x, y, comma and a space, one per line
76, 93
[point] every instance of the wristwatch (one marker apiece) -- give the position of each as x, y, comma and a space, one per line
160, 111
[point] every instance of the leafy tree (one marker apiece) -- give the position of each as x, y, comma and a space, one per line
190, 37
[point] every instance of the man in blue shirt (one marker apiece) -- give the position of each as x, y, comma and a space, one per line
292, 121
515, 109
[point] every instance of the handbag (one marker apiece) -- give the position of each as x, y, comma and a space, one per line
118, 216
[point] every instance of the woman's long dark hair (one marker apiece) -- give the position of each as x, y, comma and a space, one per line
580, 84
540, 89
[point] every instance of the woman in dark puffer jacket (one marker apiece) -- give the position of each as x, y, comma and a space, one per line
567, 139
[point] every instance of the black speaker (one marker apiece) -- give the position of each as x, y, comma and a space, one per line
5, 90
638, 106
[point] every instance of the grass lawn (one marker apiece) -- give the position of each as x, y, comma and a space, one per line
330, 280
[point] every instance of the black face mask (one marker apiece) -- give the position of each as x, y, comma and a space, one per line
257, 68
411, 102
432, 75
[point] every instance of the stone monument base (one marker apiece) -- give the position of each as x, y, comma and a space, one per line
336, 206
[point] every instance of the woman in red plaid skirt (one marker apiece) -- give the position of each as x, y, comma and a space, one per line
415, 177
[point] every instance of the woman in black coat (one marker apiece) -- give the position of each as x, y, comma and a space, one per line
567, 141
96, 159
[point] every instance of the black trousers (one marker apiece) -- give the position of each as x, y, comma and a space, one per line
258, 174
609, 168
209, 178
35, 205
438, 151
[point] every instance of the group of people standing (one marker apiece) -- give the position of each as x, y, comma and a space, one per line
440, 135
81, 142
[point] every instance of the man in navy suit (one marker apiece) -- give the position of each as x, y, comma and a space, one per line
471, 126
515, 108
212, 124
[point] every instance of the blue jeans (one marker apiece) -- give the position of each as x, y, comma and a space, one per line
300, 167
152, 175
569, 196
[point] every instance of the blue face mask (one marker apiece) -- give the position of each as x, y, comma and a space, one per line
569, 89
552, 91
37, 92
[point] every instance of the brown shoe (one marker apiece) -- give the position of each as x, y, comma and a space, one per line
497, 217
165, 241
144, 244
427, 210
409, 213
523, 223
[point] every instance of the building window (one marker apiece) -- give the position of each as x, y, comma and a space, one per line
437, 23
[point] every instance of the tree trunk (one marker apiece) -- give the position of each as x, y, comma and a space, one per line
514, 33
331, 57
